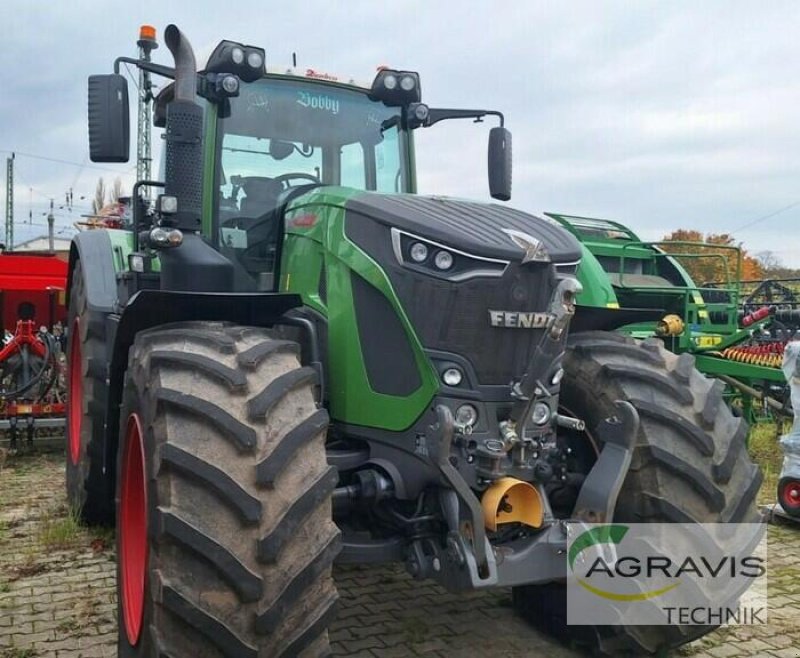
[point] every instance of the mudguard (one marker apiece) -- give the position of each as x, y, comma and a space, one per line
100, 277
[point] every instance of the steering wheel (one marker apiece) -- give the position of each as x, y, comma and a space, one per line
238, 220
284, 179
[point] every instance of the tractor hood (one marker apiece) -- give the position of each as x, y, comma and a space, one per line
476, 228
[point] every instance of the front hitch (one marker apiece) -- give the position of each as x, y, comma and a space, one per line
542, 557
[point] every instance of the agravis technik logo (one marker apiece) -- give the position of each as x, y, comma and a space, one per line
653, 574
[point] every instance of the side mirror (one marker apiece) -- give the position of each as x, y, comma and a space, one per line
109, 119
500, 163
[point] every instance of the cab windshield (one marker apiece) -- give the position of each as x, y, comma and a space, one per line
285, 133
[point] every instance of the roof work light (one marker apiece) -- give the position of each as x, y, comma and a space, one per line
396, 88
230, 57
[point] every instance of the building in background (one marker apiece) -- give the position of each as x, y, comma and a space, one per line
61, 246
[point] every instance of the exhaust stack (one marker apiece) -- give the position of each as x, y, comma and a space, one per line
184, 135
194, 265
185, 64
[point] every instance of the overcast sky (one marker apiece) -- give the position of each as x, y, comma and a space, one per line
662, 115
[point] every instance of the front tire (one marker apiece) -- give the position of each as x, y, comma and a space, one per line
690, 464
224, 530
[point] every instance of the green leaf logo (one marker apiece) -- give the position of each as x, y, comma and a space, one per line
608, 534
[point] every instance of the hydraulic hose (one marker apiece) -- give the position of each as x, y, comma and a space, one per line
13, 395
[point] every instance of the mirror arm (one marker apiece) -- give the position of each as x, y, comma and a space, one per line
158, 69
437, 114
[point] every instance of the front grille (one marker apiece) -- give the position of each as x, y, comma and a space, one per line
454, 317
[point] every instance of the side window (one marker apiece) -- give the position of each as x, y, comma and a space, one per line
353, 166
388, 168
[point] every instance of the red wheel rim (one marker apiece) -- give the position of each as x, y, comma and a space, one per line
133, 530
790, 496
75, 393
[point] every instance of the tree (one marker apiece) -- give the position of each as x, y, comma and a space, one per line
99, 196
103, 195
712, 258
769, 261
117, 191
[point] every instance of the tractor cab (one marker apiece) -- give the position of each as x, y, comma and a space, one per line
262, 138
282, 137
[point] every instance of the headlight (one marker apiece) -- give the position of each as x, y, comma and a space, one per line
443, 260
541, 413
237, 55
452, 377
230, 83
466, 415
255, 61
390, 82
419, 252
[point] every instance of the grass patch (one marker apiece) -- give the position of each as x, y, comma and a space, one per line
13, 652
69, 626
763, 444
766, 452
59, 531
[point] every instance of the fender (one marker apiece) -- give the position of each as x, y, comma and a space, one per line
96, 254
153, 308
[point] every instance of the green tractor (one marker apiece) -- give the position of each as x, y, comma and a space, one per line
623, 275
293, 359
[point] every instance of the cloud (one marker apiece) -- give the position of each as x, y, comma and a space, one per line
663, 115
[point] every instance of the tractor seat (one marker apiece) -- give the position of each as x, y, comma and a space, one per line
261, 195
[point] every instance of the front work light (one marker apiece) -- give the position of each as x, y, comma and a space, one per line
396, 88
245, 61
167, 204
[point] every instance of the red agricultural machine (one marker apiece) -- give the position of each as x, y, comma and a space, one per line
32, 386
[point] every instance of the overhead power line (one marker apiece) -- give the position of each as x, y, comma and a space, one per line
758, 220
68, 162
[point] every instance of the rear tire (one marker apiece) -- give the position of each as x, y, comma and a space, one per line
224, 530
89, 490
690, 464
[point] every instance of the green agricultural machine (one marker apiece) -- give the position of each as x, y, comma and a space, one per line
292, 358
736, 343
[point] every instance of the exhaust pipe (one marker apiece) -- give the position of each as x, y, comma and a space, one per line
185, 64
194, 265
184, 135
